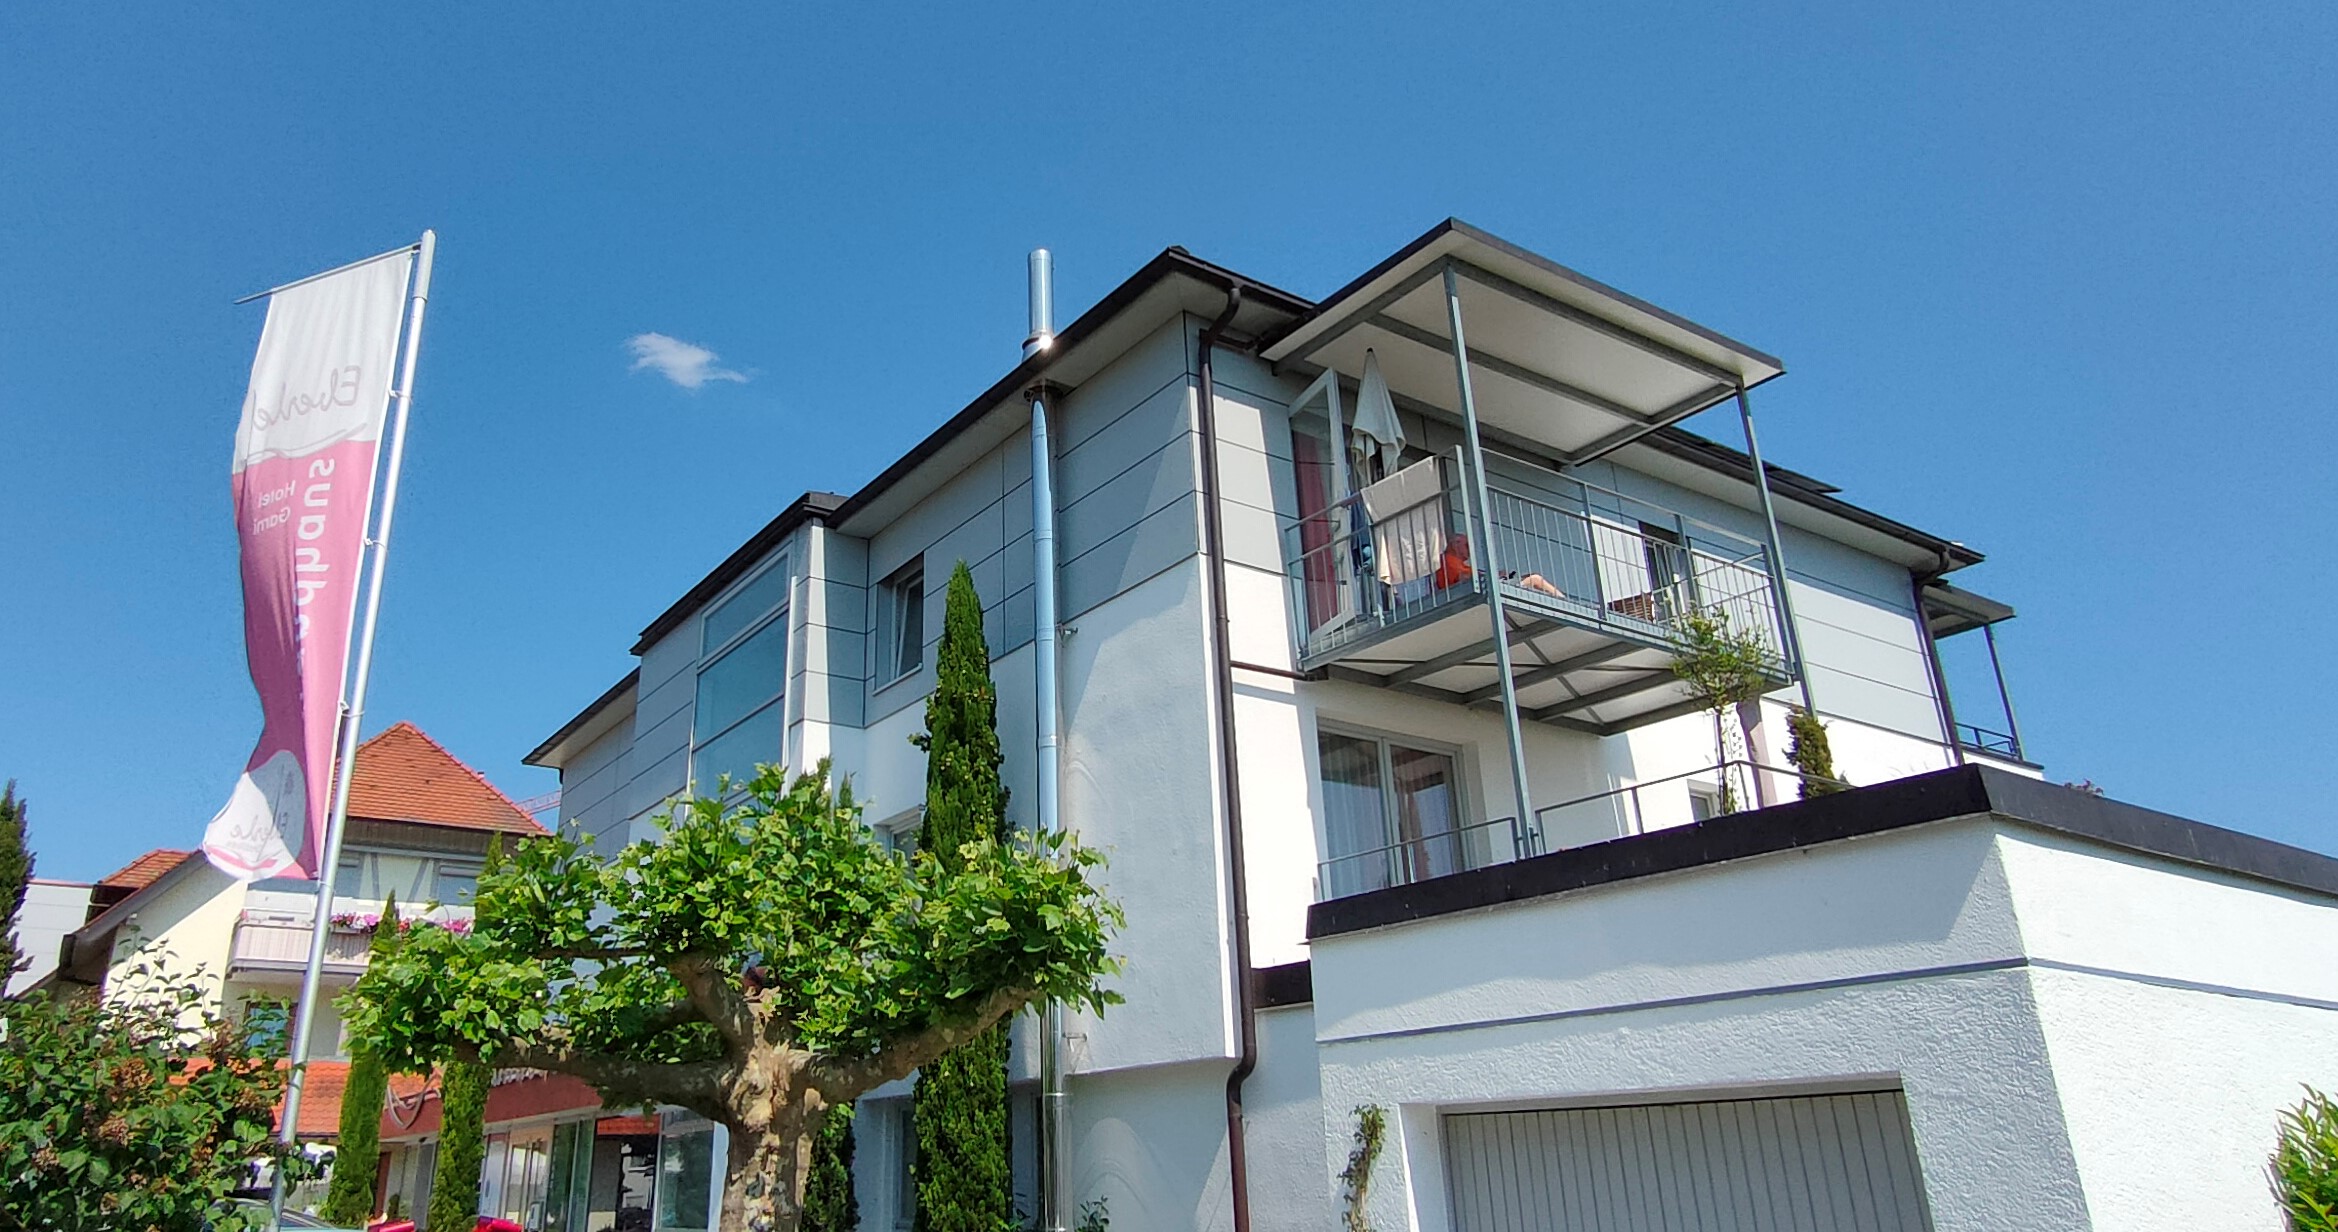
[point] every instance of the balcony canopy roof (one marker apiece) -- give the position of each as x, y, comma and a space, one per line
1555, 357
1949, 610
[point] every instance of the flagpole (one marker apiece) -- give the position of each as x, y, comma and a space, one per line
353, 714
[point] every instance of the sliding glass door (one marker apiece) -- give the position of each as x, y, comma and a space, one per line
1392, 812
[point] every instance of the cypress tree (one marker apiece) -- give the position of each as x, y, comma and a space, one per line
15, 873
357, 1152
462, 1116
462, 1146
959, 1108
829, 1202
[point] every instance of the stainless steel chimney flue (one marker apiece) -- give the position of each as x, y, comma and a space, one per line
1042, 333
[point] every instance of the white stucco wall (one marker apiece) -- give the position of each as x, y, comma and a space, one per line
1152, 1144
51, 910
187, 925
2182, 1009
1891, 960
1285, 1124
2087, 1038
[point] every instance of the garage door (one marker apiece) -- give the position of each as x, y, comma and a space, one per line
1831, 1163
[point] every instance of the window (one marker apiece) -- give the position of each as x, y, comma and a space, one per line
267, 1026
372, 876
1668, 571
1704, 802
898, 833
685, 1180
1391, 812
901, 622
745, 606
739, 722
457, 884
569, 1197
904, 1166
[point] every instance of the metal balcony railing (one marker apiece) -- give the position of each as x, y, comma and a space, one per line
1991, 743
1617, 812
1401, 549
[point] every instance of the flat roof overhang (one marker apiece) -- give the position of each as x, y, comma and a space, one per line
1555, 357
1950, 610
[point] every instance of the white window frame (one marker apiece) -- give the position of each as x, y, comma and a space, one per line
898, 833
674, 1125
434, 863
709, 656
885, 634
1464, 798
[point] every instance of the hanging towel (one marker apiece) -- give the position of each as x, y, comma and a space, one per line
1376, 427
1407, 513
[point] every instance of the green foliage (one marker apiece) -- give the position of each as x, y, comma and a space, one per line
830, 1205
959, 1107
1809, 751
851, 946
357, 1151
964, 796
15, 873
959, 1112
1094, 1217
2305, 1164
463, 1082
462, 1146
140, 1112
1356, 1179
1724, 667
759, 936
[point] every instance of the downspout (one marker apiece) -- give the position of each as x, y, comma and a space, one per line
1054, 1098
1229, 778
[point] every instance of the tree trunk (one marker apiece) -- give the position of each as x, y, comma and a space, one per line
763, 1188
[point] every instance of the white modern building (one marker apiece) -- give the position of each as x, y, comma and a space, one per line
1364, 612
52, 909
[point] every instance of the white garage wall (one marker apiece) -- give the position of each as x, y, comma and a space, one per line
1284, 1125
2182, 1010
1889, 960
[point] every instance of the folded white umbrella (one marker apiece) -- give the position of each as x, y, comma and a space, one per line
1376, 426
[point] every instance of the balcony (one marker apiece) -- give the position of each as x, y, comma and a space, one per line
1692, 796
272, 934
1595, 586
269, 943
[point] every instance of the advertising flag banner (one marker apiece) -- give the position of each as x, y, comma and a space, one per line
303, 486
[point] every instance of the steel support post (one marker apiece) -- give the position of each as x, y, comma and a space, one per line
2012, 727
1489, 559
1778, 584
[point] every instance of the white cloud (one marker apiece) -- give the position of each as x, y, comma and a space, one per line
684, 363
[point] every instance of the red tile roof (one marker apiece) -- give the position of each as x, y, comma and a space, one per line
145, 870
403, 775
320, 1100
413, 1110
320, 1095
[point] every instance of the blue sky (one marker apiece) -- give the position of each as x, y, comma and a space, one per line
2052, 280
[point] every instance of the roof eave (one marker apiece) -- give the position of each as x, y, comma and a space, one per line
550, 754
810, 507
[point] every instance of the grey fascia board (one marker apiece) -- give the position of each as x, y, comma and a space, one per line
622, 690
